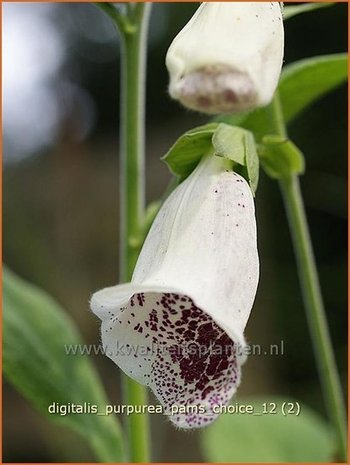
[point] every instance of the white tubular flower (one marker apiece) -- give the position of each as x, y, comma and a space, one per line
228, 57
178, 326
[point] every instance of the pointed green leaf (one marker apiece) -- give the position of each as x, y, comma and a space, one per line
305, 81
270, 437
37, 332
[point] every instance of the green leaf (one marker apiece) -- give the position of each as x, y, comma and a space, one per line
244, 437
305, 81
302, 83
280, 157
294, 10
185, 154
37, 332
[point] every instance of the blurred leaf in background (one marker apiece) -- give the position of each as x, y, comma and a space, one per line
270, 437
294, 10
302, 83
36, 333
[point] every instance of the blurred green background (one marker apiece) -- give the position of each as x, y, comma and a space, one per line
60, 203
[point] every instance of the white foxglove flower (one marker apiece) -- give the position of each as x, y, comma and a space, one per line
228, 57
178, 326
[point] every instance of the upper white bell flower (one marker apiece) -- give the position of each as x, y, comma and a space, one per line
228, 57
178, 326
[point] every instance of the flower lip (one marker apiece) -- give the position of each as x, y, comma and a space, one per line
109, 302
164, 340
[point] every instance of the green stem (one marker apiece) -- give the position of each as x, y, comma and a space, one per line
313, 302
132, 169
132, 175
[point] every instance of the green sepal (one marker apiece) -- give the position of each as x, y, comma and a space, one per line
185, 154
231, 142
238, 145
280, 157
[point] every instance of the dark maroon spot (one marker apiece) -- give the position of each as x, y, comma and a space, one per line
230, 96
203, 101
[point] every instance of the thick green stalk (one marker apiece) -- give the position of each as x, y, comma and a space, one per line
132, 169
132, 176
312, 296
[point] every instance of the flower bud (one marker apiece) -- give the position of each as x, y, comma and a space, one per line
228, 57
180, 321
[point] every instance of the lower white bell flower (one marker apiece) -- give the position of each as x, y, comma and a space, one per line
228, 57
178, 326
